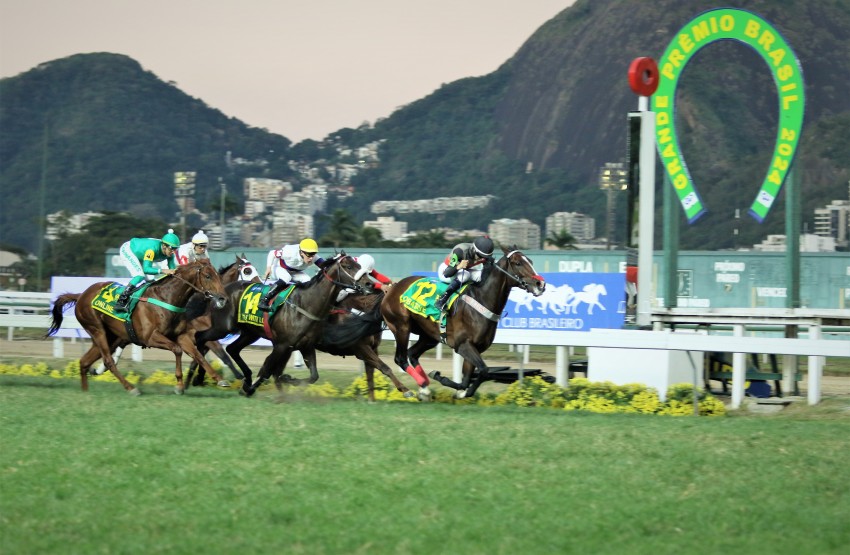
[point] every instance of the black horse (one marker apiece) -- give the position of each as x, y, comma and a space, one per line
471, 325
295, 326
354, 328
240, 270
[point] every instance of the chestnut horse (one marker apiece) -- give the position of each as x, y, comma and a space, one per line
471, 323
157, 321
295, 326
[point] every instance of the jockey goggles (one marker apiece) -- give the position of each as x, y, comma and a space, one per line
309, 254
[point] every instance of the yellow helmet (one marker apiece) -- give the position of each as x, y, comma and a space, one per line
308, 245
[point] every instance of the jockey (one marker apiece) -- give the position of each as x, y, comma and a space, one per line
464, 263
367, 268
196, 250
140, 257
287, 265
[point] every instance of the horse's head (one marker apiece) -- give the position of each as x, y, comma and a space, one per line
519, 267
203, 278
240, 270
247, 271
342, 270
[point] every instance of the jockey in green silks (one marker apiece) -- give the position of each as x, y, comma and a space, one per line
143, 258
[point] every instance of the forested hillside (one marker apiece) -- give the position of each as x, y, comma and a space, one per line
100, 132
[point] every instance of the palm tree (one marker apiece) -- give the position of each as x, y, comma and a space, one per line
343, 231
562, 240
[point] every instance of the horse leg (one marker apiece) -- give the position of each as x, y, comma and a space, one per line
273, 364
188, 346
158, 341
218, 350
371, 360
235, 349
88, 358
475, 370
369, 370
100, 342
309, 356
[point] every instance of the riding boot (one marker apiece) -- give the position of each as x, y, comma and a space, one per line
124, 298
265, 303
441, 302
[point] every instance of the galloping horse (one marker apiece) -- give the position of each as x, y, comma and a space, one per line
157, 321
240, 270
471, 324
296, 326
354, 329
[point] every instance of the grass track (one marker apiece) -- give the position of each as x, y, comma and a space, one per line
212, 472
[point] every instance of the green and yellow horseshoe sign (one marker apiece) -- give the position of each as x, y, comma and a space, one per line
746, 27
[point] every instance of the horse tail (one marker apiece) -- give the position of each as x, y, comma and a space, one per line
58, 309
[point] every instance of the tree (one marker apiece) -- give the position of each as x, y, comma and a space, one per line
561, 240
83, 254
342, 229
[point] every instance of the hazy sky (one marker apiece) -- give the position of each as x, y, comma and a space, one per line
301, 68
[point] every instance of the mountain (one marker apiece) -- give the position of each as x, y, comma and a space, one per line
534, 132
101, 133
559, 105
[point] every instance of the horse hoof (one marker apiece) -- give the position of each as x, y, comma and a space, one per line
135, 392
407, 394
224, 384
425, 394
460, 395
434, 375
179, 391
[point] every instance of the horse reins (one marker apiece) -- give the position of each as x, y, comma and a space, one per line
206, 294
517, 279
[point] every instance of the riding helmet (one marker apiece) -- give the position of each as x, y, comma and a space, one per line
483, 246
308, 245
200, 238
367, 264
171, 239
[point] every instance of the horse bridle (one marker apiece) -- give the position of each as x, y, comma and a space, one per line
206, 293
521, 281
352, 285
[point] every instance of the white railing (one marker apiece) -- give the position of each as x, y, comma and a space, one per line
30, 310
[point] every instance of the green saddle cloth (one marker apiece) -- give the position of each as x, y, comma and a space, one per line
248, 311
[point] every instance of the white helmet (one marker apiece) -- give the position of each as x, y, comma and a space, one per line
367, 264
200, 238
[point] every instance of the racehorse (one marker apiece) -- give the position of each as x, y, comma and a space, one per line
296, 326
157, 321
240, 270
354, 329
470, 324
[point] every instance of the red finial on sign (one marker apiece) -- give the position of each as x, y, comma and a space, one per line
643, 76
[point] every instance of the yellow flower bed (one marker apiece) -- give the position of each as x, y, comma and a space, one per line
582, 394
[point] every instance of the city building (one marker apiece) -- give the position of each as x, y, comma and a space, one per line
522, 233
65, 223
808, 243
580, 226
390, 228
834, 221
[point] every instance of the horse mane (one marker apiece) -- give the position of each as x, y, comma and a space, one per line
222, 269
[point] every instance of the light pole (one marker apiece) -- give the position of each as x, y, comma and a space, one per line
184, 189
613, 177
221, 212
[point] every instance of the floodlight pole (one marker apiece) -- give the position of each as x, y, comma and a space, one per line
643, 80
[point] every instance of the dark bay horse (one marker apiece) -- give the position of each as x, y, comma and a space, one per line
296, 326
471, 323
157, 321
240, 270
354, 328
